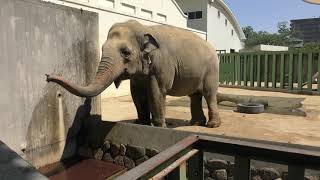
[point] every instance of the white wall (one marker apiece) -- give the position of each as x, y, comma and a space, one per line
218, 33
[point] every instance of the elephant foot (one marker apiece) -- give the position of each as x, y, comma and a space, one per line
159, 124
197, 122
214, 123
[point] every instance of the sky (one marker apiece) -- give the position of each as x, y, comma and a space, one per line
264, 15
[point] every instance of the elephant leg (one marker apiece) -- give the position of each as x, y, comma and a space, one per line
198, 118
214, 118
157, 101
140, 99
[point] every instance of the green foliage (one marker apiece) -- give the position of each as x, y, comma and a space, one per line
313, 46
262, 37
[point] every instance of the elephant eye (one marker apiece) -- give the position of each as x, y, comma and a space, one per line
125, 53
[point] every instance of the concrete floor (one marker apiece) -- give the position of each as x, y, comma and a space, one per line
282, 122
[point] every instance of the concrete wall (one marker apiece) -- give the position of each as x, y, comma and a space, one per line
219, 34
38, 38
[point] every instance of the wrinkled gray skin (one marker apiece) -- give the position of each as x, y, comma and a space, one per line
159, 60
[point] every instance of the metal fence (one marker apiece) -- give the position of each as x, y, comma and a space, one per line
288, 71
184, 160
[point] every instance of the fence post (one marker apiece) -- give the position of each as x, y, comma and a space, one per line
282, 71
259, 71
274, 68
266, 62
310, 80
239, 69
290, 84
195, 166
251, 59
233, 69
300, 71
242, 168
295, 172
245, 73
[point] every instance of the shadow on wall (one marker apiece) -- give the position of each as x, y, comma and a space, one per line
48, 138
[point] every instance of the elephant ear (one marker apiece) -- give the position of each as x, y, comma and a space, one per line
150, 44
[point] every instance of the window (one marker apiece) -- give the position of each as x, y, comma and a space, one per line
195, 15
219, 14
225, 22
232, 32
146, 13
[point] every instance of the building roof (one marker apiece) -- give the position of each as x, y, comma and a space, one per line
234, 20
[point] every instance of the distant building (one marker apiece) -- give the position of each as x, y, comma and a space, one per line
263, 47
215, 18
307, 30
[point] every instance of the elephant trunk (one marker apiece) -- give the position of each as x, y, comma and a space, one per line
106, 74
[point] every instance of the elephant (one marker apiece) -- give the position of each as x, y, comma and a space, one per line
159, 60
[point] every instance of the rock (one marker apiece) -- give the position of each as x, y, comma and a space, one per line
278, 179
114, 149
141, 160
215, 164
256, 178
128, 163
135, 152
268, 173
209, 178
98, 154
220, 174
230, 169
151, 152
119, 160
85, 152
107, 157
253, 171
123, 149
206, 173
284, 175
106, 146
311, 178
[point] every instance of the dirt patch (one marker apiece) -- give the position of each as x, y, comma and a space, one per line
283, 126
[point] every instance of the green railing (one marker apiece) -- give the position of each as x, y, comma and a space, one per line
288, 71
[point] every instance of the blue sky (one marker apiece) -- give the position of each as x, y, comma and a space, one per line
265, 14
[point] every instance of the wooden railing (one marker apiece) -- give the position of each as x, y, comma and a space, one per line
184, 160
287, 71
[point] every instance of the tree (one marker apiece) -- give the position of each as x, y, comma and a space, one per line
262, 37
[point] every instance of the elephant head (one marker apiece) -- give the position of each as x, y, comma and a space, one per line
124, 54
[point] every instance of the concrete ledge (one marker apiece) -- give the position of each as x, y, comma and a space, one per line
13, 167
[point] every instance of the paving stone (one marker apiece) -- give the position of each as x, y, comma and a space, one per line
135, 152
256, 178
220, 174
119, 160
128, 162
268, 173
106, 146
151, 152
123, 149
98, 154
114, 149
107, 157
215, 164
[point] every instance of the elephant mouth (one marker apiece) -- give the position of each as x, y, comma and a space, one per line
124, 76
